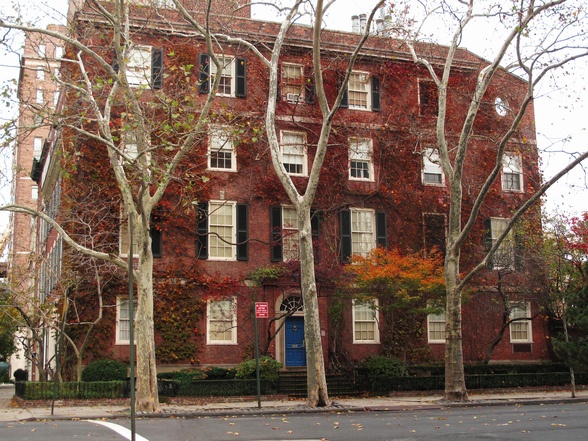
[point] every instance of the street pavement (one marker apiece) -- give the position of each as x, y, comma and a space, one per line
10, 411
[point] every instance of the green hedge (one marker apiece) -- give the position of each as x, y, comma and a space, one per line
30, 390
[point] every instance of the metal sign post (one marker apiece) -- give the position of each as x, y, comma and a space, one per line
261, 311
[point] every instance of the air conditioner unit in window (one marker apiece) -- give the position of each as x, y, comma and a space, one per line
292, 97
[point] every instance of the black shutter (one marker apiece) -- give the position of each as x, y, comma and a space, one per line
203, 73
314, 227
434, 232
156, 241
345, 99
242, 232
276, 246
345, 235
519, 262
381, 230
202, 227
309, 87
375, 94
241, 77
156, 67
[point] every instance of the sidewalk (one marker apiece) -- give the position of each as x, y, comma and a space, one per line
10, 413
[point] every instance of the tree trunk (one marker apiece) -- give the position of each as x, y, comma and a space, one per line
455, 389
316, 376
147, 397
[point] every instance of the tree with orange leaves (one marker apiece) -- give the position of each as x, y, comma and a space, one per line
407, 286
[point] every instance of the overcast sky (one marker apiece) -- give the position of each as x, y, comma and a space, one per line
560, 114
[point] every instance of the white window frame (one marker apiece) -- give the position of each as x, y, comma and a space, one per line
517, 310
506, 250
358, 79
290, 234
59, 52
34, 192
37, 147
436, 321
512, 168
361, 151
139, 66
228, 80
292, 83
232, 320
432, 166
221, 142
222, 236
291, 149
40, 98
40, 73
42, 50
357, 320
120, 320
363, 240
55, 98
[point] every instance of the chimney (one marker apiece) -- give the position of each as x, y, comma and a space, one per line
379, 25
362, 22
355, 24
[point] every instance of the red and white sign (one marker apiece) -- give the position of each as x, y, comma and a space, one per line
261, 310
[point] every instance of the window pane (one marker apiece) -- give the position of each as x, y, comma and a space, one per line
362, 232
358, 87
221, 236
293, 153
221, 149
225, 86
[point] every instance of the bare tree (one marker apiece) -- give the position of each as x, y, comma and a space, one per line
540, 38
103, 84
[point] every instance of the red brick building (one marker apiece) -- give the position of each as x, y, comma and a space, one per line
227, 221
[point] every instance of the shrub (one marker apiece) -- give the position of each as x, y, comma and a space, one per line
105, 370
382, 370
218, 373
268, 369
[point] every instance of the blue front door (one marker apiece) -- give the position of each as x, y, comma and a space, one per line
295, 348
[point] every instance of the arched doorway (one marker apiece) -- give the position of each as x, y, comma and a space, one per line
291, 344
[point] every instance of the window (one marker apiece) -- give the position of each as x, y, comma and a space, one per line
290, 236
361, 166
221, 321
34, 192
139, 66
145, 67
55, 98
293, 147
233, 76
520, 328
432, 170
40, 73
124, 239
123, 321
223, 231
365, 321
512, 176
42, 50
504, 256
436, 327
130, 145
435, 236
221, 151
361, 230
284, 233
363, 92
359, 91
58, 52
40, 99
428, 98
37, 147
292, 83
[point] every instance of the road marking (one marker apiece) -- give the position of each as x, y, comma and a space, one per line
122, 431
